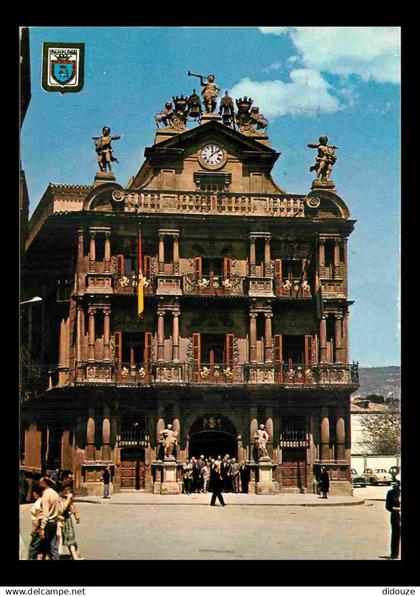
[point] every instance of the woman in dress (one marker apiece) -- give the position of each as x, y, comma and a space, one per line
68, 536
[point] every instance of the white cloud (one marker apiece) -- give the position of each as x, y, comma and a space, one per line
373, 53
307, 93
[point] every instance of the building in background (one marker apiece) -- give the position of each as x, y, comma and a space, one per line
245, 318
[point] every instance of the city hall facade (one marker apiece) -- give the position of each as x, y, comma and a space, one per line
245, 321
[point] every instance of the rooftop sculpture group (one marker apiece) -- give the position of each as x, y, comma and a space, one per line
247, 119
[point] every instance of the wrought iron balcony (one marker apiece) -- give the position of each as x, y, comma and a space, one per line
127, 285
287, 375
213, 285
291, 288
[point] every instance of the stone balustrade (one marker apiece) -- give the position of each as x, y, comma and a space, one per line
210, 203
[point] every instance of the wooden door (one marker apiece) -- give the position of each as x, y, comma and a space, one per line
294, 468
132, 472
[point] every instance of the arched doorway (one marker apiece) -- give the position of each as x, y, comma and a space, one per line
213, 435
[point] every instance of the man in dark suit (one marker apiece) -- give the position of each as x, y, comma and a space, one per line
225, 472
245, 473
216, 484
393, 505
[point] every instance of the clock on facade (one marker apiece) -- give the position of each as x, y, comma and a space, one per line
212, 156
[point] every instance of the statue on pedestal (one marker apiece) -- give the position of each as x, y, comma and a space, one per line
248, 118
325, 159
166, 115
227, 110
104, 149
210, 91
194, 106
169, 441
261, 437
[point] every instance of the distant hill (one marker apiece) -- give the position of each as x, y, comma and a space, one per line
380, 380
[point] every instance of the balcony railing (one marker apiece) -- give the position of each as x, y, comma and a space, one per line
210, 203
127, 285
298, 375
213, 286
292, 288
214, 373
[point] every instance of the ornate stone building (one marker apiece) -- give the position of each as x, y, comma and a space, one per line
245, 318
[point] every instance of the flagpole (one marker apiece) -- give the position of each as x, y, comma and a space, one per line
140, 286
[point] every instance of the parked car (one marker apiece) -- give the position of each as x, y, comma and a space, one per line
377, 476
357, 479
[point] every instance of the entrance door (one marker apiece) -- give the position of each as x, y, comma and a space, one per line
294, 468
133, 469
213, 443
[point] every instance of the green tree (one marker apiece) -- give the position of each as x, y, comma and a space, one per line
381, 433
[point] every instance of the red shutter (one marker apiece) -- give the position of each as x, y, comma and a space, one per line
227, 267
196, 345
309, 350
147, 357
229, 349
120, 265
198, 267
146, 265
278, 269
118, 348
278, 348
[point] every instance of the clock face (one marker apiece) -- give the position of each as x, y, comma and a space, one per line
212, 154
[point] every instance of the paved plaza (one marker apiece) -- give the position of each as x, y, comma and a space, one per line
145, 526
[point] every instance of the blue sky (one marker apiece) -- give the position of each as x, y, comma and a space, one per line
308, 81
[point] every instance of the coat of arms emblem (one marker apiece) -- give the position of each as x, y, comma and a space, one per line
63, 67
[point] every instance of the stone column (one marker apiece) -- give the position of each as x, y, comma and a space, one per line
106, 435
269, 427
80, 244
253, 427
267, 256
338, 338
252, 269
346, 337
344, 266
176, 253
340, 451
253, 337
161, 336
90, 435
268, 340
325, 435
175, 337
91, 336
79, 331
323, 339
321, 257
337, 266
161, 253
107, 334
92, 252
62, 346
107, 252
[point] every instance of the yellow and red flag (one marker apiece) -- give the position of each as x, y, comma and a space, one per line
140, 280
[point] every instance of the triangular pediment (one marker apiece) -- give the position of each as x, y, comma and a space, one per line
213, 129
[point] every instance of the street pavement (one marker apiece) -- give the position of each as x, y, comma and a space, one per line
144, 526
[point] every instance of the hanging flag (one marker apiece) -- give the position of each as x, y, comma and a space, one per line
140, 280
